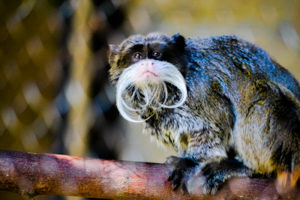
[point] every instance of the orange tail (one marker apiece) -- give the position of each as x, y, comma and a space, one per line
287, 181
295, 176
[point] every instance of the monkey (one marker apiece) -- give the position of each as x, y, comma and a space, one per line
222, 103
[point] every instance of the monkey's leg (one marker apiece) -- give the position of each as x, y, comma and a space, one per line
266, 135
206, 155
182, 168
217, 173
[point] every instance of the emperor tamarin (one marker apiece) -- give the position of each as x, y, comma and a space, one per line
222, 103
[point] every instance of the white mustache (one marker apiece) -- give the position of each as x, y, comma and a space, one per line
152, 90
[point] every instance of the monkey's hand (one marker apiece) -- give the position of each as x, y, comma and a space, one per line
190, 176
216, 173
182, 169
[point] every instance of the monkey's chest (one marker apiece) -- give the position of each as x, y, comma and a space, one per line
174, 128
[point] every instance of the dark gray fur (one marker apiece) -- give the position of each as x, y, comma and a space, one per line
239, 100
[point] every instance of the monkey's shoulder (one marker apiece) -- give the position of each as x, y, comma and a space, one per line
230, 58
224, 42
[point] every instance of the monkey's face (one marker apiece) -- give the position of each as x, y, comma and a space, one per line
147, 71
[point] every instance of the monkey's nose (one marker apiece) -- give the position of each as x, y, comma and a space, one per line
147, 70
148, 64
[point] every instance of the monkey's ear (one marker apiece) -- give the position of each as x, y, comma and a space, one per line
178, 40
113, 49
112, 52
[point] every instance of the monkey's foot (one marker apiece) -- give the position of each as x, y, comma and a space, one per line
182, 170
217, 173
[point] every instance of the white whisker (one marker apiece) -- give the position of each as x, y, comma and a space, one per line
148, 94
127, 106
133, 94
165, 90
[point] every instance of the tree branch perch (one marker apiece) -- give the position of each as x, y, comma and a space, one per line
32, 174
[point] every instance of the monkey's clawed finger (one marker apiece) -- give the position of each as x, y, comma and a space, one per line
181, 171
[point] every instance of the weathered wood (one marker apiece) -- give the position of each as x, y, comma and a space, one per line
51, 174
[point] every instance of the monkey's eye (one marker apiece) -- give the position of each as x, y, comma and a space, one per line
137, 56
156, 54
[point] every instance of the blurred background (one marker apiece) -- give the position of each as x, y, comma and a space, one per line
54, 87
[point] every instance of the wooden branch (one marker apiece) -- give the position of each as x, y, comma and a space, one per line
50, 174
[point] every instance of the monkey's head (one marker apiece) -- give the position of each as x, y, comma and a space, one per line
149, 74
